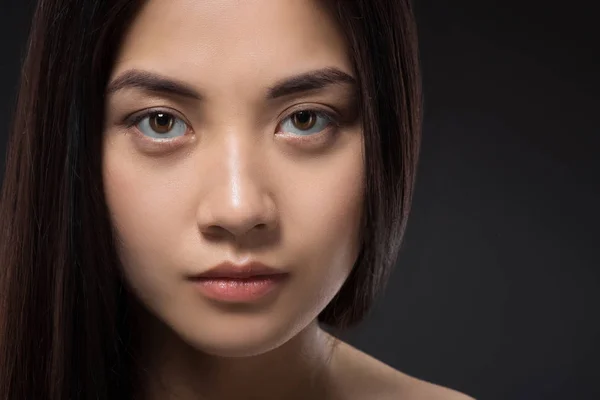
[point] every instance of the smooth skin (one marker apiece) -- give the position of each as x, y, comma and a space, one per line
212, 154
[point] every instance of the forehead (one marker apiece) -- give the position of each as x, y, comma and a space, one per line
233, 42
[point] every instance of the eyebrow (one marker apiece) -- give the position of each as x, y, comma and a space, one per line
308, 81
151, 82
304, 82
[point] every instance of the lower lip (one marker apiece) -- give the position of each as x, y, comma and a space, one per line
239, 290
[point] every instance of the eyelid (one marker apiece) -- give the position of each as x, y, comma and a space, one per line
332, 115
135, 118
314, 140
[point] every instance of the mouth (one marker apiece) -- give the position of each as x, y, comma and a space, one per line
239, 290
239, 283
228, 270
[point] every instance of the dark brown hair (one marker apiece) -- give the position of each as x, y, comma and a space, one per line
66, 329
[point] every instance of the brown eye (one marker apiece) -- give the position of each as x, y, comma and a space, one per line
304, 120
161, 122
161, 125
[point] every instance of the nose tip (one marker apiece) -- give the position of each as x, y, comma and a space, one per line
236, 215
236, 222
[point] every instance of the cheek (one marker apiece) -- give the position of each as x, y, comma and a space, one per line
324, 217
146, 205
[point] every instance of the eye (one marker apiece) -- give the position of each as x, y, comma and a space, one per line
161, 125
306, 122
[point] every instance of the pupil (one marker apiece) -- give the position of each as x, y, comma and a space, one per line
162, 119
161, 122
303, 117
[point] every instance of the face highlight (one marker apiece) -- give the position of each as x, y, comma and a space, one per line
231, 134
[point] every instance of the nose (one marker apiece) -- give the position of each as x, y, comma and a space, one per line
236, 198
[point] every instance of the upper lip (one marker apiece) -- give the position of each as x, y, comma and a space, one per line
231, 270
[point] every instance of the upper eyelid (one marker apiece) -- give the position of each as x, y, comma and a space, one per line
328, 111
332, 118
137, 116
333, 115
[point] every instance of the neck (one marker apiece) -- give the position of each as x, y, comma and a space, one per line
298, 369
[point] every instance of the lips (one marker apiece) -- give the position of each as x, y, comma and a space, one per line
229, 270
239, 283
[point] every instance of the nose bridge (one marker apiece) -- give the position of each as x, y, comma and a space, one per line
236, 198
243, 187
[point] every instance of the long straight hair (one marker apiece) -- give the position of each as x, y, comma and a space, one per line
66, 326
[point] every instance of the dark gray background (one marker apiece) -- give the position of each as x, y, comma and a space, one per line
496, 288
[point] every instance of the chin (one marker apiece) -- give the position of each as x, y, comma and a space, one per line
244, 340
236, 350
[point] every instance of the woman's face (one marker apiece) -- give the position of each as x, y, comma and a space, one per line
234, 162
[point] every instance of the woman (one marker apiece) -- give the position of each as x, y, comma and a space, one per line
194, 188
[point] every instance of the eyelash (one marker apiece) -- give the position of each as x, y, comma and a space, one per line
334, 124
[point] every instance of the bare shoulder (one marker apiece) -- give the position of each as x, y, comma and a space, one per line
361, 376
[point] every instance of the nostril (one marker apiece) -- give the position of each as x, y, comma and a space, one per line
214, 231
